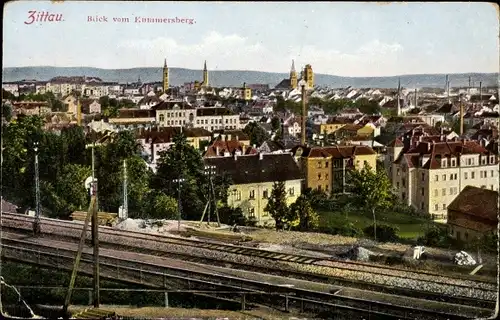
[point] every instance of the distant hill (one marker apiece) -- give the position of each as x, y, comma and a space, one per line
179, 76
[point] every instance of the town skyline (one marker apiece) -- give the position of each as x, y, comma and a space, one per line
389, 40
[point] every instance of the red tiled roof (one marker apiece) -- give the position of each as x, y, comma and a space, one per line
219, 147
477, 202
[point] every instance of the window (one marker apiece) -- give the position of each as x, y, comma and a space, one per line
397, 172
326, 164
423, 176
251, 212
252, 194
422, 191
403, 195
492, 159
444, 206
403, 182
472, 174
451, 176
238, 196
421, 205
326, 176
443, 191
436, 207
492, 173
319, 176
455, 176
436, 192
162, 117
443, 163
291, 191
444, 177
397, 185
265, 194
465, 175
451, 191
318, 165
469, 162
436, 178
491, 187
453, 162
483, 160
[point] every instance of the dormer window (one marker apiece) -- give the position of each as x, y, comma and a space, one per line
453, 162
443, 163
484, 159
492, 159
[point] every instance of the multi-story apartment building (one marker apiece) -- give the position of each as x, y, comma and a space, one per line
428, 172
326, 168
217, 118
131, 119
253, 177
175, 113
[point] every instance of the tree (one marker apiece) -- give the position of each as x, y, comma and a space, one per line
7, 111
256, 133
275, 124
372, 189
307, 216
182, 161
277, 206
367, 106
160, 206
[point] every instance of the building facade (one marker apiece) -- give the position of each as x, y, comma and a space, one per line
253, 177
428, 173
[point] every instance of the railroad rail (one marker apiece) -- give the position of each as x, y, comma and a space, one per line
481, 297
152, 272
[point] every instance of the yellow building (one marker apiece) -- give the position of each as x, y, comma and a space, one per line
331, 126
246, 92
325, 168
253, 177
308, 76
165, 77
429, 173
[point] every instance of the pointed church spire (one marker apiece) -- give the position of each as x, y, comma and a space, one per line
205, 66
165, 64
293, 66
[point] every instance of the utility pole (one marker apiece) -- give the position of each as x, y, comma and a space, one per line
210, 171
125, 191
179, 203
36, 223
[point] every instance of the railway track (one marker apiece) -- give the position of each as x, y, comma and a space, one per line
463, 291
152, 270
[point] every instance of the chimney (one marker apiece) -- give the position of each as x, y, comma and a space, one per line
235, 156
261, 155
304, 115
237, 138
416, 98
481, 92
217, 150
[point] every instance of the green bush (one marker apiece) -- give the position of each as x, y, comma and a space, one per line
341, 226
385, 233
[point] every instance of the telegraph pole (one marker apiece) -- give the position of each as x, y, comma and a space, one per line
125, 191
179, 203
36, 223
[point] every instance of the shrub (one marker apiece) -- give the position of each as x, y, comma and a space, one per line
385, 233
341, 226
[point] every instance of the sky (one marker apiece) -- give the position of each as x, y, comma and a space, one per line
344, 39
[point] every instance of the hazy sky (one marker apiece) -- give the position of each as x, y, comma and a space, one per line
347, 39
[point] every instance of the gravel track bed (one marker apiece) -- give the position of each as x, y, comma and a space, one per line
328, 268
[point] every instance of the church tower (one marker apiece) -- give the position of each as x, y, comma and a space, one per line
293, 76
165, 77
309, 76
205, 75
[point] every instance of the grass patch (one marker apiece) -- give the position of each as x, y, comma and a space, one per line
410, 227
